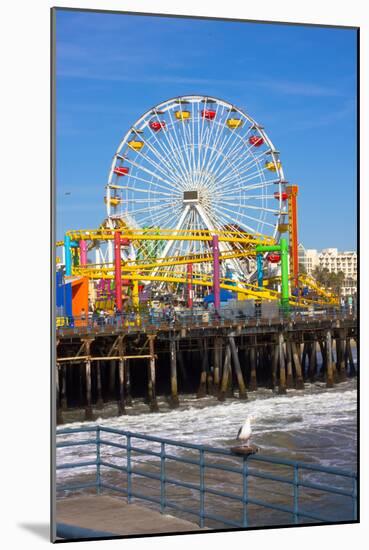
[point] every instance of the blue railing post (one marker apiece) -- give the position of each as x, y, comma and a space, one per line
98, 461
296, 493
129, 471
245, 474
202, 488
162, 477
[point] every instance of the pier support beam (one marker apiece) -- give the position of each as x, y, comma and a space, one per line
323, 368
121, 407
128, 382
253, 386
341, 367
352, 370
329, 363
289, 380
312, 361
112, 369
173, 400
99, 402
88, 406
181, 365
201, 392
121, 351
217, 359
151, 378
298, 370
303, 358
63, 387
237, 366
275, 357
282, 365
226, 374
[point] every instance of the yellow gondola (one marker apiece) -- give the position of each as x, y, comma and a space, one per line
182, 115
270, 165
136, 144
113, 201
283, 227
234, 123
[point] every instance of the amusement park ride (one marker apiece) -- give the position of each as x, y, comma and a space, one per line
196, 199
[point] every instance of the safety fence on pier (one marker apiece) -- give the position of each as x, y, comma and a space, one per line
213, 486
159, 319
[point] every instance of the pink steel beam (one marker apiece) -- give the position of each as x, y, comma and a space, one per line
117, 271
216, 273
83, 251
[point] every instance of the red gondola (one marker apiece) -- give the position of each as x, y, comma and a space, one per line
284, 195
209, 114
157, 125
121, 170
124, 242
274, 258
256, 141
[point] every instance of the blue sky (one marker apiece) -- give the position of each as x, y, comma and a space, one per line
298, 82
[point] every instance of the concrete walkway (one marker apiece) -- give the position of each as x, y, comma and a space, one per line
113, 514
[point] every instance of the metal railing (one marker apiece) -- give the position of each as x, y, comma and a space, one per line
200, 317
123, 462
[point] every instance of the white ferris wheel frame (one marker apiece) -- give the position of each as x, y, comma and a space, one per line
175, 167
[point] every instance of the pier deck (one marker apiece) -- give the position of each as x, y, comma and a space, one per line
114, 515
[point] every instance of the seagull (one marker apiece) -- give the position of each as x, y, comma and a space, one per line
244, 433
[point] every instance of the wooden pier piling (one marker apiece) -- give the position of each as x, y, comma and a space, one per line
341, 341
312, 361
99, 402
121, 368
237, 366
128, 394
152, 377
329, 363
173, 400
275, 357
298, 369
63, 388
289, 380
201, 392
253, 386
282, 365
351, 364
217, 361
226, 373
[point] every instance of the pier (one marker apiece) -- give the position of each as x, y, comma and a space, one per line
90, 516
223, 356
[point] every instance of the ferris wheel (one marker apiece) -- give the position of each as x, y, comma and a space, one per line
197, 163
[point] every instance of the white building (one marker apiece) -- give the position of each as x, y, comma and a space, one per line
334, 261
308, 258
